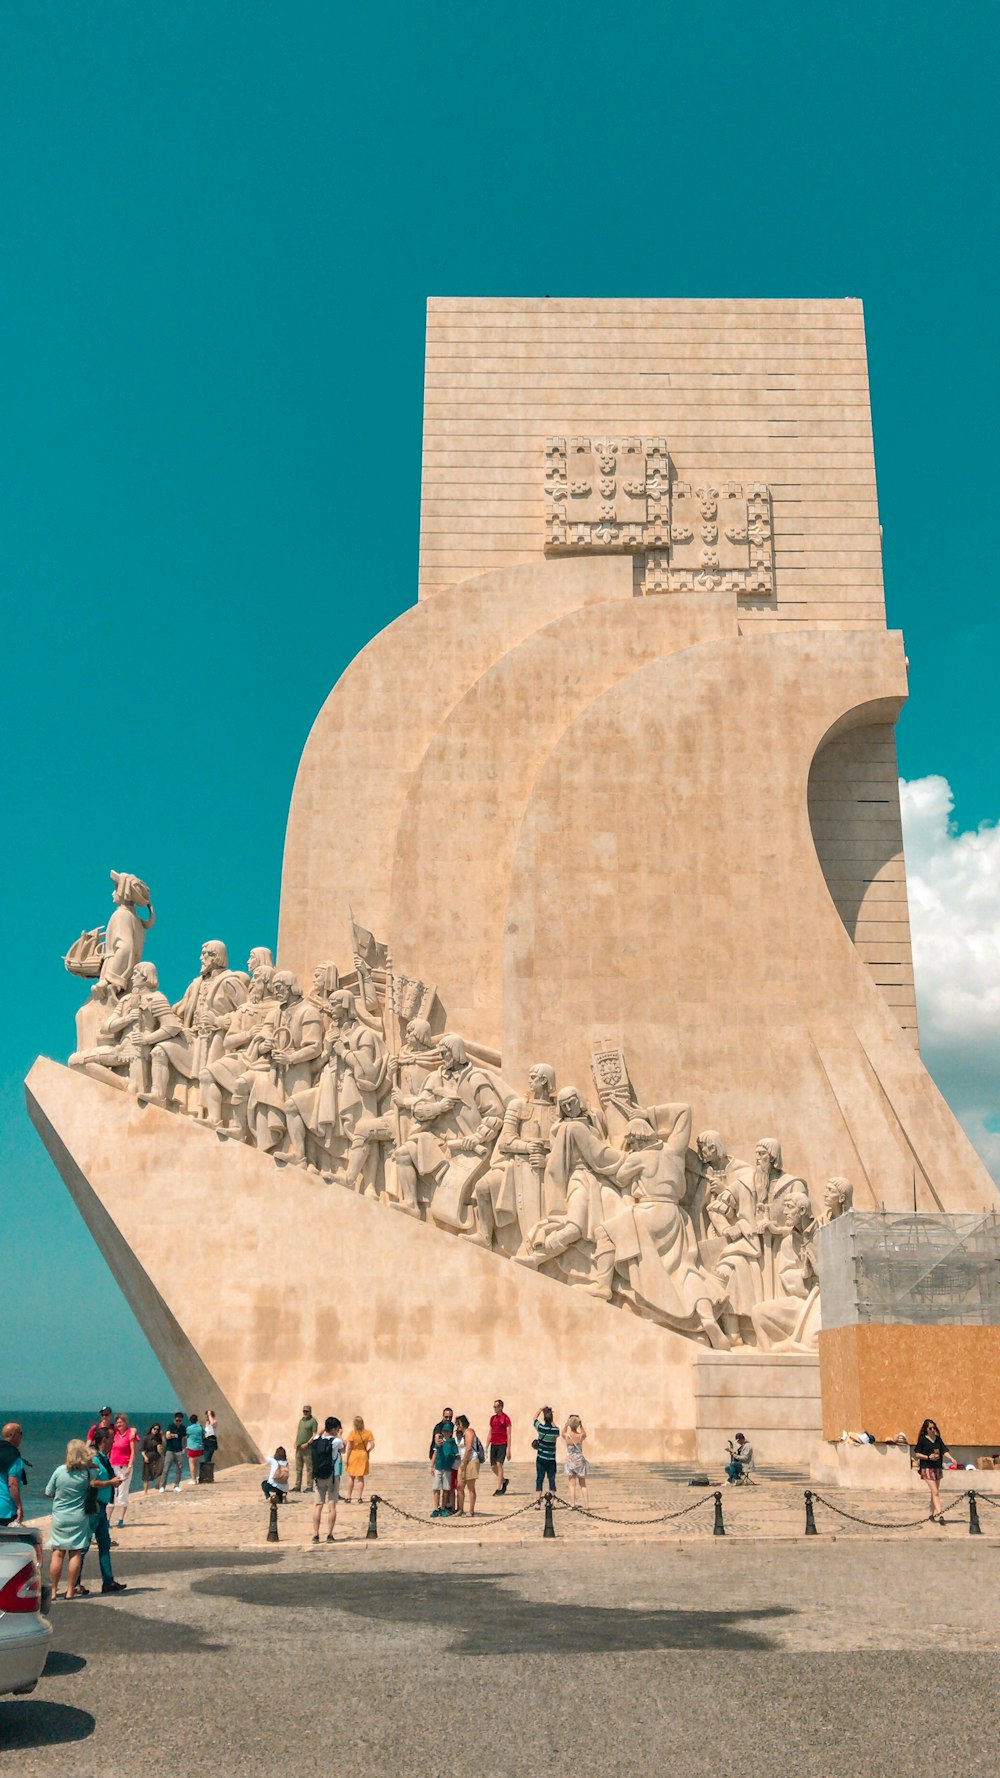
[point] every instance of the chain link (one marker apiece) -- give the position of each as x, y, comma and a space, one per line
588, 1512
878, 1524
462, 1518
985, 1499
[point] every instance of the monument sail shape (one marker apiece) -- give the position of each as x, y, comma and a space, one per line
622, 823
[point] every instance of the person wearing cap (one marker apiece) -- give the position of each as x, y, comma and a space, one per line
740, 1458
174, 1445
104, 1418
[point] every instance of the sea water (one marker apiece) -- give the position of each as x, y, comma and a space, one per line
46, 1436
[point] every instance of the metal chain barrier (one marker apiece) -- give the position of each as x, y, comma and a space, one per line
587, 1512
877, 1524
479, 1519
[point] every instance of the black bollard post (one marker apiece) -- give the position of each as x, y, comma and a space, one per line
272, 1522
372, 1531
719, 1528
810, 1516
975, 1528
549, 1530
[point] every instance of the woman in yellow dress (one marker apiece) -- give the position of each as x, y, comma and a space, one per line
359, 1443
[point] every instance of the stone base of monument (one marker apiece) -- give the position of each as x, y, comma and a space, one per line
261, 1289
773, 1398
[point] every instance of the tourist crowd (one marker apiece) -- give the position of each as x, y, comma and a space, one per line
94, 1481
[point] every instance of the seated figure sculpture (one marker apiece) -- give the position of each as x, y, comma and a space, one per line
326, 1115
456, 1121
204, 1013
510, 1197
648, 1243
142, 1018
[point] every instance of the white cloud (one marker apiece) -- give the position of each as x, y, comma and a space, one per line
954, 889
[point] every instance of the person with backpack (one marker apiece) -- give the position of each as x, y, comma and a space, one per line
327, 1451
471, 1456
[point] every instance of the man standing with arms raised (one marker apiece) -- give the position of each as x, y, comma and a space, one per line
499, 1445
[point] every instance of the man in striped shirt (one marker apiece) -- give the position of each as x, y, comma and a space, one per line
546, 1434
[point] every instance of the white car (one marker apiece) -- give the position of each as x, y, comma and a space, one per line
24, 1629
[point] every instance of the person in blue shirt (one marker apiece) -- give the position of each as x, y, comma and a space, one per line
445, 1460
104, 1478
13, 1474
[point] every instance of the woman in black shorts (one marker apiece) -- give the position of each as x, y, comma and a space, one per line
929, 1454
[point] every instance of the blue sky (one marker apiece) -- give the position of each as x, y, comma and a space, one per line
221, 226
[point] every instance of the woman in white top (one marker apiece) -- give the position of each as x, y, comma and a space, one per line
575, 1466
275, 1484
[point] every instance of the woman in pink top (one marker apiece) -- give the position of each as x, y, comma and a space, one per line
124, 1445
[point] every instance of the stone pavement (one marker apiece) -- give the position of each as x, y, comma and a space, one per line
232, 1514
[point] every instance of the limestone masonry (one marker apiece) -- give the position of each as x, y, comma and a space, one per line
593, 885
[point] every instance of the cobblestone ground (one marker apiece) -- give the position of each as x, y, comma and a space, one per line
636, 1502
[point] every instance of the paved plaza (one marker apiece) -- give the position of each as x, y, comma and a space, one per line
578, 1660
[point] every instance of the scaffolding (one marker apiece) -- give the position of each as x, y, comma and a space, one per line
916, 1268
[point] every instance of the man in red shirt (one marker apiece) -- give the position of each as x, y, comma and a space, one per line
499, 1445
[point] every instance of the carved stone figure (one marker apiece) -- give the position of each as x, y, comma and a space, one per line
511, 1195
580, 1191
293, 1051
738, 1265
838, 1198
204, 1013
140, 1019
261, 957
456, 1121
410, 1071
347, 1088
649, 1242
789, 1321
231, 1075
714, 1168
771, 1183
111, 953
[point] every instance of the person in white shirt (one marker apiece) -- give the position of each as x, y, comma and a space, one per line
275, 1484
327, 1448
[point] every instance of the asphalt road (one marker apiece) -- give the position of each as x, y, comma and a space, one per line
833, 1660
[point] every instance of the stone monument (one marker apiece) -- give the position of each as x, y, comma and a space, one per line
616, 801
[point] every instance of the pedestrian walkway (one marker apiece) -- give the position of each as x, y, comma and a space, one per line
232, 1514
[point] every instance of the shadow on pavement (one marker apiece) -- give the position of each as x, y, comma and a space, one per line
58, 1663
32, 1722
486, 1618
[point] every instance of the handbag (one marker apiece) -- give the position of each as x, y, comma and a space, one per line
534, 1444
91, 1503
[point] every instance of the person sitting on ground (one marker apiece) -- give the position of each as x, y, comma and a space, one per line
929, 1454
575, 1465
275, 1484
740, 1458
327, 1467
546, 1434
445, 1460
471, 1455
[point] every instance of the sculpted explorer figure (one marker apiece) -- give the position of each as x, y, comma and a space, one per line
649, 1242
126, 931
140, 1019
204, 1013
716, 1167
738, 1265
771, 1184
293, 1050
580, 1188
230, 1077
347, 1089
456, 1121
410, 1071
512, 1192
790, 1320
